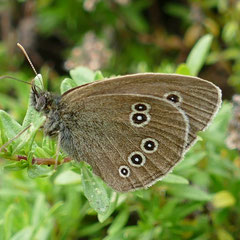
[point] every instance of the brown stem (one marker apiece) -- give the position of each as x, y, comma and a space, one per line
44, 161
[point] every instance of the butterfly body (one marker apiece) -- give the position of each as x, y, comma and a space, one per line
133, 129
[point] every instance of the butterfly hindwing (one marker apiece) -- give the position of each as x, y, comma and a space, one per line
129, 140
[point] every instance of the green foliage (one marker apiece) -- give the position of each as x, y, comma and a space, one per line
199, 200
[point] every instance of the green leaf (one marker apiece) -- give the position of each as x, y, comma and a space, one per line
95, 191
113, 204
172, 178
10, 128
198, 54
190, 207
82, 75
32, 116
25, 233
41, 153
183, 69
67, 84
55, 208
68, 177
92, 229
230, 31
119, 222
16, 166
9, 125
190, 160
190, 192
9, 213
27, 139
38, 210
168, 208
35, 171
98, 76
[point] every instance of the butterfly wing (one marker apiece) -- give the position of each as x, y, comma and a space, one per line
199, 99
130, 140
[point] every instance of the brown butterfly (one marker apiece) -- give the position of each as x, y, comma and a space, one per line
132, 129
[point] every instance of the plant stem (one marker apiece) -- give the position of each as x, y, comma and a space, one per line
40, 161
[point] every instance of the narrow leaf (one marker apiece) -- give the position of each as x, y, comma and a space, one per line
25, 233
172, 178
198, 54
113, 204
38, 210
190, 192
119, 222
95, 191
190, 160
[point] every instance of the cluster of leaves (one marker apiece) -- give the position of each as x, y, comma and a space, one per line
198, 200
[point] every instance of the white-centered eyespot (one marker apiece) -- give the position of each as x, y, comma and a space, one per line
174, 97
138, 119
136, 159
141, 107
149, 145
124, 171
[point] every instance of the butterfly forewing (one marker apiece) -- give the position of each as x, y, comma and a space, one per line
199, 99
129, 140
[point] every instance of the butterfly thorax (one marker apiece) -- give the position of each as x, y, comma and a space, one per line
48, 104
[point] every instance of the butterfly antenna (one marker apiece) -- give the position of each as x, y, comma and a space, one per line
30, 62
16, 79
28, 58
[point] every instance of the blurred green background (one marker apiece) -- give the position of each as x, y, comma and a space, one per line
201, 199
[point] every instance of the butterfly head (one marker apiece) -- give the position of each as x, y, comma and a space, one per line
41, 100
